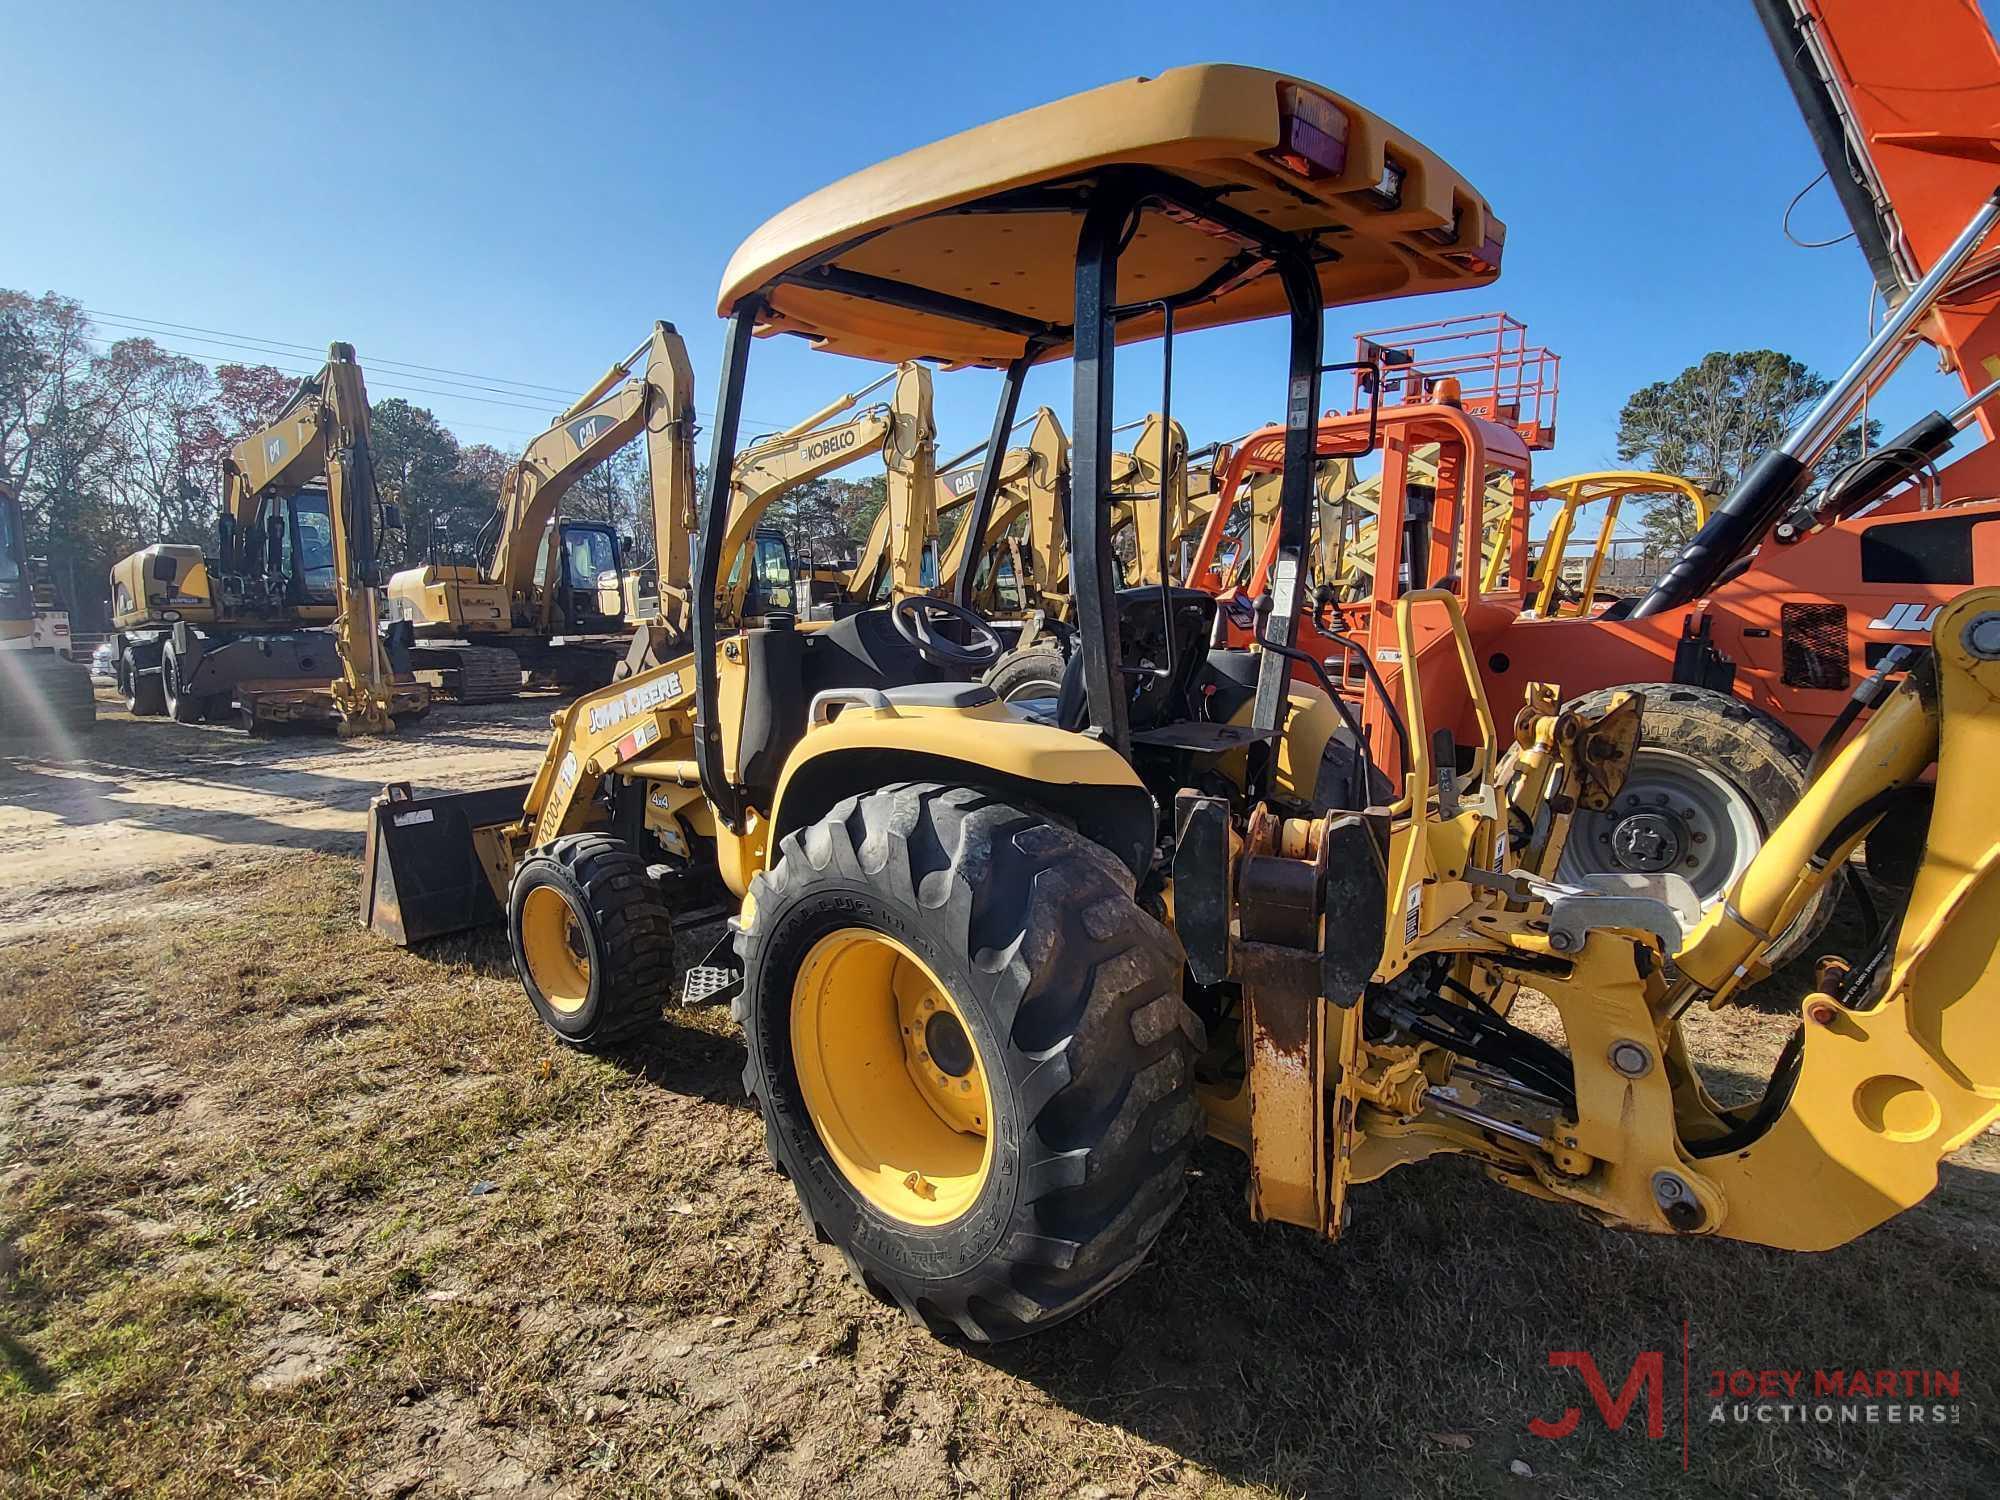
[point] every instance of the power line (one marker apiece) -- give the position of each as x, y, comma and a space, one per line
373, 359
271, 348
423, 390
211, 360
275, 353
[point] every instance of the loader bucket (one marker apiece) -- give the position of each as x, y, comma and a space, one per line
435, 865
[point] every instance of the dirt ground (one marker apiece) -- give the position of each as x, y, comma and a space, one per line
286, 1210
150, 794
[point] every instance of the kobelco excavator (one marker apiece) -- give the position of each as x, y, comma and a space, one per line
43, 698
549, 598
282, 622
997, 970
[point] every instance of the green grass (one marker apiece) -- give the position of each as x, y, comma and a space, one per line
247, 1257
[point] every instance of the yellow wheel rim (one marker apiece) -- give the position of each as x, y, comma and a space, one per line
554, 946
891, 1077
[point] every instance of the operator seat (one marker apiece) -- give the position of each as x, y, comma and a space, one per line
785, 668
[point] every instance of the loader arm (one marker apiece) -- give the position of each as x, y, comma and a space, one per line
1141, 484
1034, 482
1009, 498
1048, 510
658, 401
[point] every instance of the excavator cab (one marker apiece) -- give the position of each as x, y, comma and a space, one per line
588, 569
771, 585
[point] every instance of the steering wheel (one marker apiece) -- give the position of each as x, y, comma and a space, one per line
915, 616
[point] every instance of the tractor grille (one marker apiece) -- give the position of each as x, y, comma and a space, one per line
1815, 641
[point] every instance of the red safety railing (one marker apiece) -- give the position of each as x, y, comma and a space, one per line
1500, 375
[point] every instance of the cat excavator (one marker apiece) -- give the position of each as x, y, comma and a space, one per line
549, 598
998, 969
43, 697
281, 623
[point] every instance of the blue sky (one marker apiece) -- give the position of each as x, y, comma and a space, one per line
517, 191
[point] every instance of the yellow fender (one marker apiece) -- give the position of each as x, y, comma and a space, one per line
872, 742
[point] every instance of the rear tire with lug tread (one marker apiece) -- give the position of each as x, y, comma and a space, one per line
1736, 769
1067, 998
592, 938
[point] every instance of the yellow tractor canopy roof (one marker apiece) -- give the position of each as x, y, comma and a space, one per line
964, 250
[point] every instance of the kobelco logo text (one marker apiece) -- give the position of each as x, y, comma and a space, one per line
836, 442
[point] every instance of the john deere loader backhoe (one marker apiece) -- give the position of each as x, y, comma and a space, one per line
997, 971
43, 698
282, 622
549, 596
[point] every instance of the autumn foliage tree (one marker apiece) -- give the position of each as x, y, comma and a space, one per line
114, 445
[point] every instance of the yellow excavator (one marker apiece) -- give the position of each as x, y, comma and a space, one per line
901, 548
43, 697
282, 622
997, 970
1022, 565
550, 597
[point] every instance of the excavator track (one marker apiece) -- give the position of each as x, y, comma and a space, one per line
483, 674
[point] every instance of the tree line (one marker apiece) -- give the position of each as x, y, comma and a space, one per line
113, 445
1715, 419
116, 444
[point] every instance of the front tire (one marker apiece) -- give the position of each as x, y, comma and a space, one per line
593, 941
1029, 675
181, 706
971, 1055
145, 698
1711, 779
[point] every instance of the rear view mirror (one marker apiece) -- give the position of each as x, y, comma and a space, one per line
392, 517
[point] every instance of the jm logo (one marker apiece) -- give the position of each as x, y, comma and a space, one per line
1648, 1374
1907, 617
